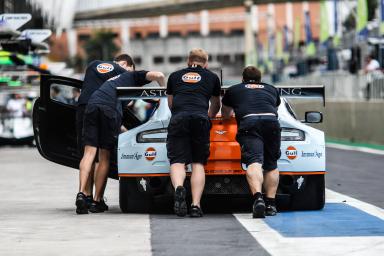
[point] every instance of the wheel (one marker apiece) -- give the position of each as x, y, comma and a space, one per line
131, 199
310, 195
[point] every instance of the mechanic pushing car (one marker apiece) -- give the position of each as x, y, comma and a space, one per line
96, 74
102, 122
255, 105
189, 92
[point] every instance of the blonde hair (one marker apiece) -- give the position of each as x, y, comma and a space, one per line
198, 55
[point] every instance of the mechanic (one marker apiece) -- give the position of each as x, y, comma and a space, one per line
255, 105
96, 74
102, 122
189, 92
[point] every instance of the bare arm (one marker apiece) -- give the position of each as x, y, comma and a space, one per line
156, 76
226, 112
215, 106
170, 101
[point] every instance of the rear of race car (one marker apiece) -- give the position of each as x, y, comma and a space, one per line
143, 165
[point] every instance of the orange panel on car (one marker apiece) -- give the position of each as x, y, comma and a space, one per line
223, 130
224, 151
223, 166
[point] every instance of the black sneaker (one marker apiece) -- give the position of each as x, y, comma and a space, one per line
258, 208
270, 210
196, 212
104, 205
180, 206
89, 200
97, 207
81, 203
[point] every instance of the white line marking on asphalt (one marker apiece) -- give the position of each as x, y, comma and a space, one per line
355, 148
277, 244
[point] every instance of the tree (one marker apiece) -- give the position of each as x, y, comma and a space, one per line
101, 46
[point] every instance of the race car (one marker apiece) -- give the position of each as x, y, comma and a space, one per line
141, 158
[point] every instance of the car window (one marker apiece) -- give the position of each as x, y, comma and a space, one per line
64, 94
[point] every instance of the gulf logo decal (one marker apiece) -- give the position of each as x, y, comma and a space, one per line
191, 78
291, 152
150, 154
104, 68
254, 86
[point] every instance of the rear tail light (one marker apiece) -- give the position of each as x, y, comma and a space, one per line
152, 136
291, 134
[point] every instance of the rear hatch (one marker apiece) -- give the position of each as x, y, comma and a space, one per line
225, 151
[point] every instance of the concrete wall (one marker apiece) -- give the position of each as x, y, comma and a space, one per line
359, 121
339, 84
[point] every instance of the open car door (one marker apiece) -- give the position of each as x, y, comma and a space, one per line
54, 123
54, 120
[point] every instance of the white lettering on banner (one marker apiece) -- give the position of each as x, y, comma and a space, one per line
153, 93
290, 91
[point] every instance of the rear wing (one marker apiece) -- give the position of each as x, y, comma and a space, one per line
295, 91
302, 91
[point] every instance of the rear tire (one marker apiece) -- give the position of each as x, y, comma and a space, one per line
312, 194
131, 199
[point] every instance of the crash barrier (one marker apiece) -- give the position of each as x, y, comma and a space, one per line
343, 85
358, 121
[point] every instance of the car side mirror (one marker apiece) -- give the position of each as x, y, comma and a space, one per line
313, 117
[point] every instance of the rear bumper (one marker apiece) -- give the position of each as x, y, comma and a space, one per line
215, 173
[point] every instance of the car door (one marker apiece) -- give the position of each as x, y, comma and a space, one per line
54, 121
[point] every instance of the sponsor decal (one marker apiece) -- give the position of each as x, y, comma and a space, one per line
300, 181
104, 68
220, 132
254, 86
143, 183
150, 154
191, 78
135, 156
312, 154
291, 152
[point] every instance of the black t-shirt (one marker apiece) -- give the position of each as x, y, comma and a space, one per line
250, 98
106, 95
96, 74
192, 88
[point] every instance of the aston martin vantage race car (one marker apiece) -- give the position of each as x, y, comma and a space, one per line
141, 162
